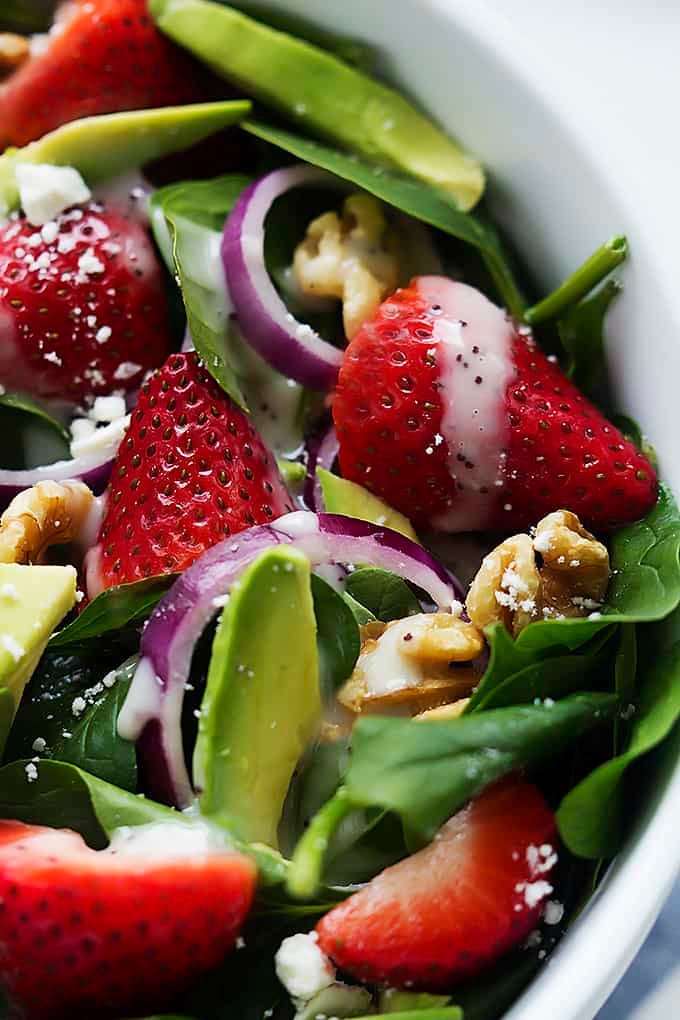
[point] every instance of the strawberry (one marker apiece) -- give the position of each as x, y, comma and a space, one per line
102, 56
190, 471
83, 311
448, 410
453, 908
87, 933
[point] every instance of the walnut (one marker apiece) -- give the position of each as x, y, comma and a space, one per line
562, 572
14, 51
412, 665
349, 258
49, 513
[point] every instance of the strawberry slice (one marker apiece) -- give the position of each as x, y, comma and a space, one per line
453, 908
118, 932
83, 311
191, 471
449, 411
102, 56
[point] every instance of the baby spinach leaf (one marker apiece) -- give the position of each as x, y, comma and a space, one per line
94, 744
115, 608
581, 331
64, 796
625, 673
632, 431
426, 772
410, 196
337, 636
194, 214
384, 594
23, 405
590, 817
31, 436
599, 265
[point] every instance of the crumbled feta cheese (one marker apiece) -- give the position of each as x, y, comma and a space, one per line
53, 357
39, 744
89, 264
554, 912
78, 706
302, 968
103, 334
49, 231
81, 428
107, 409
102, 440
543, 543
534, 892
45, 190
31, 772
12, 646
127, 369
66, 244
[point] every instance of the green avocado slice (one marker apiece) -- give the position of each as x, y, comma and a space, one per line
262, 703
322, 92
104, 147
344, 497
33, 601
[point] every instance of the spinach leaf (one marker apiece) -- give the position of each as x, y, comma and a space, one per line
384, 594
395, 1000
632, 431
26, 16
94, 744
111, 611
337, 636
64, 796
593, 271
581, 332
625, 673
194, 214
413, 197
6, 715
590, 818
31, 436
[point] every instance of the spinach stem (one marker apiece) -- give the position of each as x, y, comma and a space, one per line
304, 873
607, 257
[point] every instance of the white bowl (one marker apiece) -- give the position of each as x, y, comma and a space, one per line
555, 186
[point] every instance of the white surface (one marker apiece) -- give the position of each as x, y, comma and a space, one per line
567, 173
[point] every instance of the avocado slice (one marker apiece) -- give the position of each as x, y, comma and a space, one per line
33, 601
328, 96
262, 703
344, 497
106, 146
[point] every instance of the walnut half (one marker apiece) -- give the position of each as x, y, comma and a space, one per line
412, 665
49, 513
563, 572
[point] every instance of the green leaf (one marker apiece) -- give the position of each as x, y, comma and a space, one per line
426, 772
410, 196
31, 436
395, 1000
64, 796
337, 636
581, 332
26, 16
24, 405
625, 674
384, 594
6, 716
194, 213
111, 611
94, 744
607, 257
590, 817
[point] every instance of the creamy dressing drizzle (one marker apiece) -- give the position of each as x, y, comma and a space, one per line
473, 350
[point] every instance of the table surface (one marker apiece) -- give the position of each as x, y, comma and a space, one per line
618, 60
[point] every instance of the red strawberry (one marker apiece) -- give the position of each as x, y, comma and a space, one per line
87, 933
190, 471
453, 908
82, 306
102, 56
450, 412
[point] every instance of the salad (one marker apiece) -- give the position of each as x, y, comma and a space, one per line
338, 600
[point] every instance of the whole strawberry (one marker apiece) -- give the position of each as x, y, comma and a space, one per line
449, 411
102, 56
450, 910
190, 471
82, 307
118, 932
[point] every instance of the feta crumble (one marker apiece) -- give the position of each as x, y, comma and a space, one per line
45, 190
302, 968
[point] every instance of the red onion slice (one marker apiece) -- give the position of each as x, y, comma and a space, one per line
152, 711
290, 346
322, 449
94, 470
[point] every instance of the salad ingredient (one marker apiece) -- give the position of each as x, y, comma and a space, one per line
350, 258
93, 471
602, 262
103, 148
88, 918
581, 332
419, 201
337, 1000
302, 967
45, 191
290, 346
325, 94
82, 305
33, 600
411, 665
113, 610
190, 471
417, 387
262, 702
343, 497
386, 596
321, 450
14, 50
449, 910
562, 572
49, 513
152, 711
106, 56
